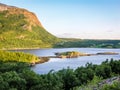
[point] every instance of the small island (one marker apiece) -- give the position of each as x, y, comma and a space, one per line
107, 53
75, 54
70, 54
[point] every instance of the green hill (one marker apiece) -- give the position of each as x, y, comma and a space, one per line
20, 28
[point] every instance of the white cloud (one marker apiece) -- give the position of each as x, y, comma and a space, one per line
95, 35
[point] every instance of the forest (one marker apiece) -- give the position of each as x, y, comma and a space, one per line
71, 42
17, 75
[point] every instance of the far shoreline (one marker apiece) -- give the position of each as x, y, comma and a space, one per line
52, 48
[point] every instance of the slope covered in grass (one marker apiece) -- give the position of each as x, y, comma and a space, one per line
20, 28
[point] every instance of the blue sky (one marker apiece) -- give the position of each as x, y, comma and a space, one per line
86, 19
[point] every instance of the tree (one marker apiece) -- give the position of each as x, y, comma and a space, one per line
103, 71
69, 78
115, 66
3, 84
30, 77
84, 74
14, 80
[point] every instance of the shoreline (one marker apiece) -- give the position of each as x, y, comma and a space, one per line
42, 60
23, 49
52, 47
102, 53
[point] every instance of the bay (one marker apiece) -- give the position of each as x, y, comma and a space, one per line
56, 64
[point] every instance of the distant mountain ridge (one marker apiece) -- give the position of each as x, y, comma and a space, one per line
20, 28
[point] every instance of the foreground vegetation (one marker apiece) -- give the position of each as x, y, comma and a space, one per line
16, 75
68, 43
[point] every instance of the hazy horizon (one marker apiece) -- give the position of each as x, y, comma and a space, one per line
85, 19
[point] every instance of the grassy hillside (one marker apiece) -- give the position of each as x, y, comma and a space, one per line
20, 28
6, 56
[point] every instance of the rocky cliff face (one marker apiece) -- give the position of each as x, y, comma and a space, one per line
3, 7
20, 28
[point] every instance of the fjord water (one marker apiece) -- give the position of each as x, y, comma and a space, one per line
60, 63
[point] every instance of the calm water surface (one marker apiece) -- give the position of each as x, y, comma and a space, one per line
58, 63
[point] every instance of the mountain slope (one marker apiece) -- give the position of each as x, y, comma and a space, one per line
20, 28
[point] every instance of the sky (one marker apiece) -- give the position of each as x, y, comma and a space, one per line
85, 19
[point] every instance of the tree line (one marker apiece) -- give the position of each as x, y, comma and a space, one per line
88, 43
